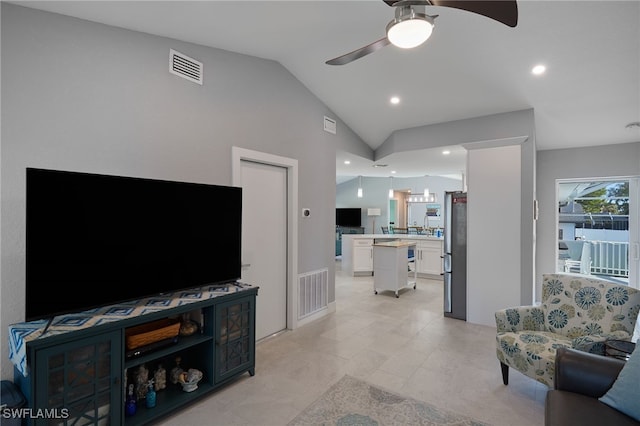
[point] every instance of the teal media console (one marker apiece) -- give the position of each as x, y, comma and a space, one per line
79, 371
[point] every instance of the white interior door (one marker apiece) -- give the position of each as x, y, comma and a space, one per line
264, 242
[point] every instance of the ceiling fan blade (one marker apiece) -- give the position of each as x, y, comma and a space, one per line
503, 11
359, 53
394, 3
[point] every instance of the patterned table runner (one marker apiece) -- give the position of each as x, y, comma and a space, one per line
21, 333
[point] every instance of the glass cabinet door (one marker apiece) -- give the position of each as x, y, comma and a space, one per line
79, 381
235, 338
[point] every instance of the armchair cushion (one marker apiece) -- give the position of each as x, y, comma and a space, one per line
576, 306
625, 393
531, 353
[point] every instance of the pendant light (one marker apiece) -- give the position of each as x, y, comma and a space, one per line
426, 189
360, 187
429, 197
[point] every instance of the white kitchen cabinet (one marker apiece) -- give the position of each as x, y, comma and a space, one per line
363, 256
357, 254
429, 258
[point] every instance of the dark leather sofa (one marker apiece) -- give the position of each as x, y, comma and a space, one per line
580, 379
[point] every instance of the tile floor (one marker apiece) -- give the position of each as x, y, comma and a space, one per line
401, 344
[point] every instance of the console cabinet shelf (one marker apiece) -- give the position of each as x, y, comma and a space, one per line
82, 374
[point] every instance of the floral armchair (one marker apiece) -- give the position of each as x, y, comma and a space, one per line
576, 312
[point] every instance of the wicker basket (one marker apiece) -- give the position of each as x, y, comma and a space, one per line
151, 332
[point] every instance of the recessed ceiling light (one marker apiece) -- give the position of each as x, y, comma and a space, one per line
538, 70
347, 162
395, 100
446, 152
393, 171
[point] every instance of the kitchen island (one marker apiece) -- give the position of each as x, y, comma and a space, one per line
357, 253
391, 259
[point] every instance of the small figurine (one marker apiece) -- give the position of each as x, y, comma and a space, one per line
189, 380
151, 395
160, 377
142, 378
187, 326
176, 371
130, 405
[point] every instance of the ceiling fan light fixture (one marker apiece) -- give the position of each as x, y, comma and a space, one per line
410, 30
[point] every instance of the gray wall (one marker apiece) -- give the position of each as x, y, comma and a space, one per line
597, 161
87, 97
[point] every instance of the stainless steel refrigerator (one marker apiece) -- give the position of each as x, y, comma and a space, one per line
455, 255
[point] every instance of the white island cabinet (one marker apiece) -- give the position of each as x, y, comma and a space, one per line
390, 270
358, 259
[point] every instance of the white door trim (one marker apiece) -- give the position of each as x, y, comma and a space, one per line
241, 154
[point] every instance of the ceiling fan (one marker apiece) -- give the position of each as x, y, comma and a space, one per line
411, 26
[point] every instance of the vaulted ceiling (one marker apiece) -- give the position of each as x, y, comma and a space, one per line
470, 67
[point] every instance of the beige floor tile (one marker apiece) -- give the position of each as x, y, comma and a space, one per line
401, 344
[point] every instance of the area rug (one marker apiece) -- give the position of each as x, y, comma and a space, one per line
353, 402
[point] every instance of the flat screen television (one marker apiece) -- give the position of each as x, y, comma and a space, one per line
350, 217
94, 240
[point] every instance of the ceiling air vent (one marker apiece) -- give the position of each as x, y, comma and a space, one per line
185, 67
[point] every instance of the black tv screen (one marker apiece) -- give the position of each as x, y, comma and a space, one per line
350, 217
94, 240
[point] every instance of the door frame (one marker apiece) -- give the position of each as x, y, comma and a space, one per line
242, 154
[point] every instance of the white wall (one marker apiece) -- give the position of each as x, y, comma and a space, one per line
493, 248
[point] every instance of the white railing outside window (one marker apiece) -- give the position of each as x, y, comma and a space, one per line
610, 258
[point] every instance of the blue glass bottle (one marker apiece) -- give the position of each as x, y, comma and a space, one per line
151, 395
130, 406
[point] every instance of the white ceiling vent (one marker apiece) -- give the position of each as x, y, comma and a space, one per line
185, 67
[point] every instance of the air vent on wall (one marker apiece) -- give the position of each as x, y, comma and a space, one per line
329, 125
185, 67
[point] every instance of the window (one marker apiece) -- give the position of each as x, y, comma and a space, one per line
598, 228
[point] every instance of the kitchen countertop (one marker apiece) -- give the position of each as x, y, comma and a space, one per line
395, 244
394, 236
